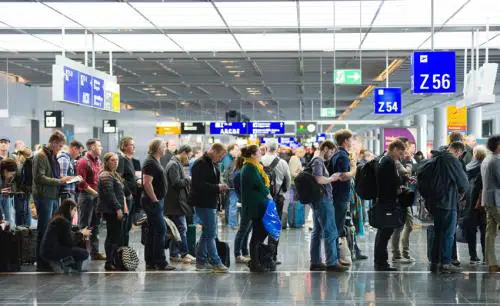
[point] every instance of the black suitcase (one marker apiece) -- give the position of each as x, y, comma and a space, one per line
9, 255
224, 252
27, 244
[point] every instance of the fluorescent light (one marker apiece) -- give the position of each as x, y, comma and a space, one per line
236, 71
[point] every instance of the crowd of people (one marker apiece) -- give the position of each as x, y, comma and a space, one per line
75, 187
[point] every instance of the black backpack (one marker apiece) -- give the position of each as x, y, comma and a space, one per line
432, 180
271, 173
27, 175
308, 190
365, 181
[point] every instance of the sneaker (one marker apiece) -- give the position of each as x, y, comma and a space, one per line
450, 268
337, 268
344, 263
401, 260
203, 267
361, 257
188, 259
317, 267
455, 262
475, 261
242, 259
98, 256
411, 259
175, 258
220, 269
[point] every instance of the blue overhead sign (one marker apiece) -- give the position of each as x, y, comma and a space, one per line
266, 128
433, 72
387, 100
70, 85
228, 128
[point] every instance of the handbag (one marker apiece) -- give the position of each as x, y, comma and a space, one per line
407, 198
386, 215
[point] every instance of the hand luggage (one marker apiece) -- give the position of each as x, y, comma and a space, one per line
9, 254
430, 241
224, 252
27, 244
126, 259
191, 239
296, 214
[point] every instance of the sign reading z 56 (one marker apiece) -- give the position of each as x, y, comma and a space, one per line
433, 72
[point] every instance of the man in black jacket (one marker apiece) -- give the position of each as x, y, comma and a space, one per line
176, 203
205, 196
388, 188
126, 170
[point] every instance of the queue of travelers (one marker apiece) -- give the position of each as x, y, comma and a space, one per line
74, 192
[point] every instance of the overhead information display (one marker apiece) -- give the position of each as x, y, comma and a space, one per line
433, 72
75, 83
193, 128
387, 100
266, 128
228, 128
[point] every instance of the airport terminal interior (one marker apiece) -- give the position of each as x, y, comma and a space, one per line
270, 78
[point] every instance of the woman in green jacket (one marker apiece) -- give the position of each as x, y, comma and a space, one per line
254, 193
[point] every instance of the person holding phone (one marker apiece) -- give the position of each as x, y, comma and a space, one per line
8, 170
112, 205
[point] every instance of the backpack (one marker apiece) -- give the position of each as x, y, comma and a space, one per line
432, 180
271, 173
27, 174
126, 259
365, 181
308, 190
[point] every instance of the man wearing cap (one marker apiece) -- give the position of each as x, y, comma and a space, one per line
4, 147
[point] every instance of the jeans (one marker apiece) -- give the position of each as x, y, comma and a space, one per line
405, 238
232, 209
114, 236
445, 224
45, 209
492, 222
23, 211
127, 221
154, 250
324, 227
90, 218
241, 239
8, 209
381, 241
179, 248
207, 249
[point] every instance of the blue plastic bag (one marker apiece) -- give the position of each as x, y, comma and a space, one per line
271, 220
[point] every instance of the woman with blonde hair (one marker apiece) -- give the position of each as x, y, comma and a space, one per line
111, 203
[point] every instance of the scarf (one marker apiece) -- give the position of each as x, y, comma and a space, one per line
260, 169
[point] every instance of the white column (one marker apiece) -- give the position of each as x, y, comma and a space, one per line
377, 142
421, 123
496, 126
371, 140
475, 122
440, 133
405, 122
366, 140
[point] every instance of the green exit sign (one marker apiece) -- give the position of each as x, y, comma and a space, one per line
328, 112
347, 76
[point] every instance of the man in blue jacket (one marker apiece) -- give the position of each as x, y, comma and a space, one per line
445, 209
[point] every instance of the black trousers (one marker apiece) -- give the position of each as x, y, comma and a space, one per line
127, 221
477, 220
381, 241
114, 235
280, 203
259, 234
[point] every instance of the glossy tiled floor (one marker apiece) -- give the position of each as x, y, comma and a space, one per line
292, 284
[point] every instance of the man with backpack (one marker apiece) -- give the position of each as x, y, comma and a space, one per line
89, 167
67, 163
442, 182
279, 175
323, 213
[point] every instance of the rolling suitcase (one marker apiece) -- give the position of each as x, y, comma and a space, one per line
27, 244
224, 252
9, 256
296, 214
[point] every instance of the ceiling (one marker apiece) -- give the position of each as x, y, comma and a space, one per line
272, 60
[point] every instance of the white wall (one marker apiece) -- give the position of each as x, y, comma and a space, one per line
27, 103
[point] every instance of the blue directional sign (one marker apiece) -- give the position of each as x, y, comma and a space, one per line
70, 85
97, 93
433, 72
387, 100
85, 89
266, 128
228, 128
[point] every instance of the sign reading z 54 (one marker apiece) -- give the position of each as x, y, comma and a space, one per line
433, 72
387, 100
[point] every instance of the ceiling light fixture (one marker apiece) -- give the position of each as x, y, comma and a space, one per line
227, 61
236, 71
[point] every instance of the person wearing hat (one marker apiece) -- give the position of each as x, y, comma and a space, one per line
4, 147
